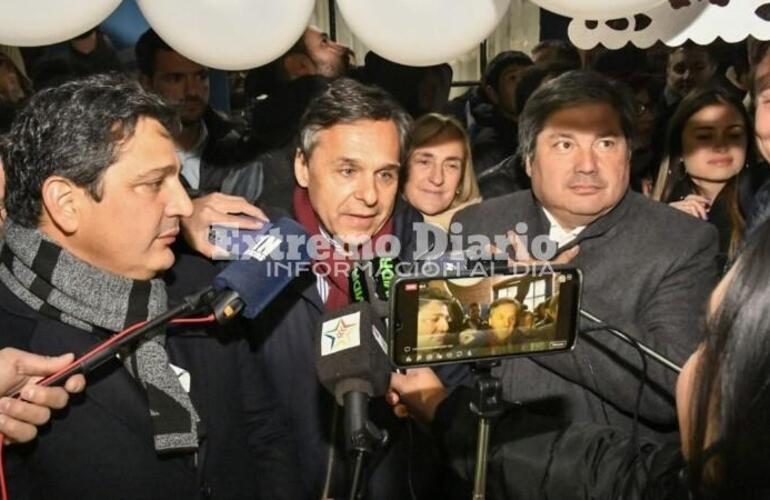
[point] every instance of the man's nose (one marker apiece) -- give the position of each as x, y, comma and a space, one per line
179, 202
587, 162
339, 47
193, 86
366, 190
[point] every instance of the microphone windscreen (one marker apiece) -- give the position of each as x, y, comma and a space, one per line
268, 260
352, 352
383, 272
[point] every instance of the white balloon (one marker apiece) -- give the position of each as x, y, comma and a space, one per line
25, 23
422, 32
598, 9
229, 34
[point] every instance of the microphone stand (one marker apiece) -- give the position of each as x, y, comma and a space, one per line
362, 437
487, 404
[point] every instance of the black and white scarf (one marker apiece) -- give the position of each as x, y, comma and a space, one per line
55, 283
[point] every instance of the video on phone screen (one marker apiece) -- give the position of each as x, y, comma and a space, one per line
469, 318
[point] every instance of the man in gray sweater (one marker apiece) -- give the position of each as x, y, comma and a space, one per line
647, 269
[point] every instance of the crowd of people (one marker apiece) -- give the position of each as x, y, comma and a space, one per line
650, 175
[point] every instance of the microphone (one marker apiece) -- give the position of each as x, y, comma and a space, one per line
268, 259
273, 256
370, 281
352, 352
353, 365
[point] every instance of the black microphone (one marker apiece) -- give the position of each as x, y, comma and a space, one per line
382, 269
268, 260
353, 365
352, 352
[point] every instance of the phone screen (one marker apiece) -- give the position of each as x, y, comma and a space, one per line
451, 320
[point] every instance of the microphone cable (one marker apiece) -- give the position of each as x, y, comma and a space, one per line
78, 363
634, 444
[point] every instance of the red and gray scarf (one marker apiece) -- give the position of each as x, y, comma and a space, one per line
339, 293
57, 284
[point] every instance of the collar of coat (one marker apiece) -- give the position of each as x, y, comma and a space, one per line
601, 226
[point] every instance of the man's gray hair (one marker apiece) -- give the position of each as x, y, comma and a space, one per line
347, 101
574, 88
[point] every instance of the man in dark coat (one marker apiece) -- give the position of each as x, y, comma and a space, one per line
94, 203
352, 143
646, 269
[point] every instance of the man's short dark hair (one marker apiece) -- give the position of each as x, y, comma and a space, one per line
691, 46
500, 62
565, 51
574, 88
432, 294
146, 50
347, 101
75, 131
534, 76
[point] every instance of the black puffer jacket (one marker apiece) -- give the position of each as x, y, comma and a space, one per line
506, 177
494, 137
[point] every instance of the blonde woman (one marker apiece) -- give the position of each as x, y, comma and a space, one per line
439, 178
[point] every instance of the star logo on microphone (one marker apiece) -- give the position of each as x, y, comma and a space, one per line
340, 333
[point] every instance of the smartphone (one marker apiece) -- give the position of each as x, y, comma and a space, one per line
497, 313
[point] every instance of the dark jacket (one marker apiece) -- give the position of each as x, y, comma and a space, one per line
506, 177
274, 129
494, 137
278, 167
101, 445
460, 107
758, 209
532, 454
228, 163
647, 270
288, 358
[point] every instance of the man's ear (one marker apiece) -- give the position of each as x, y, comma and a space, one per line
297, 65
528, 166
301, 168
62, 203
